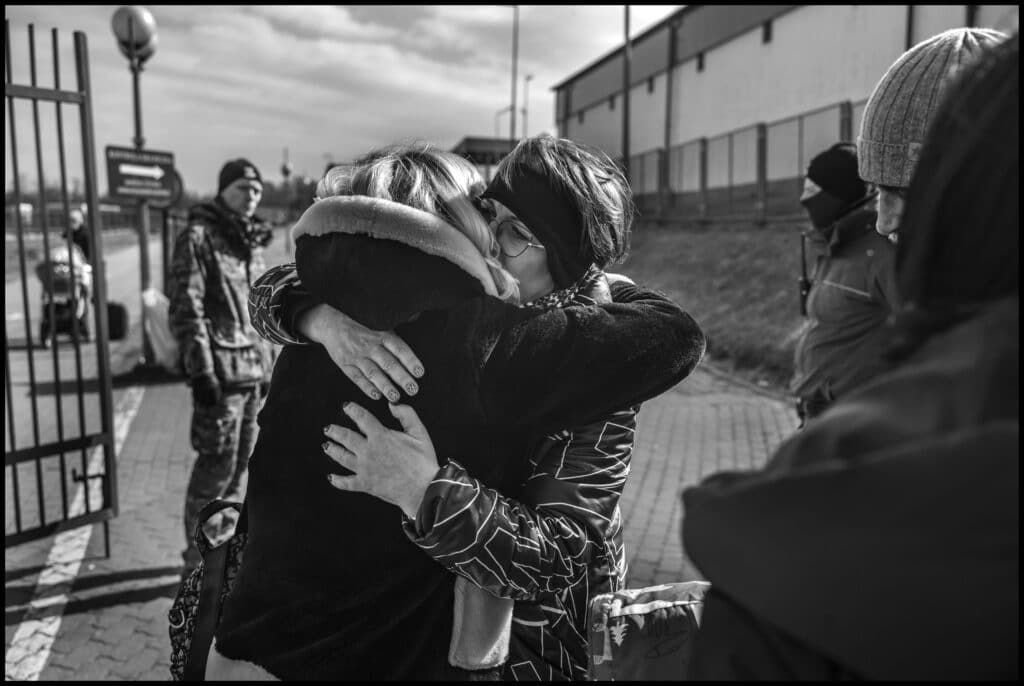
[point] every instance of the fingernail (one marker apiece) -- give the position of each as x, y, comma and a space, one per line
411, 388
325, 445
375, 395
418, 371
393, 395
330, 479
344, 406
327, 428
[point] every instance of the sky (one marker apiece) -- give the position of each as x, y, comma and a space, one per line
327, 82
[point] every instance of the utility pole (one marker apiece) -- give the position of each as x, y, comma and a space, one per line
515, 59
626, 58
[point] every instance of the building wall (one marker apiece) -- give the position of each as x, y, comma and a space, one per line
601, 126
932, 19
818, 56
1001, 17
647, 116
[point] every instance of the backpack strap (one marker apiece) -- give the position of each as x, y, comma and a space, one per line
214, 568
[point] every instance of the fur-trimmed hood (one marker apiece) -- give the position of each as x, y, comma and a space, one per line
383, 262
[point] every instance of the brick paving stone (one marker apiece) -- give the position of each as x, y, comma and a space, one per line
705, 424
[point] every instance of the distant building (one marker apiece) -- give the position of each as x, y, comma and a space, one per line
728, 103
485, 153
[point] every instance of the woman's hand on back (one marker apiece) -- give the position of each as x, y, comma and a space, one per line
378, 362
395, 466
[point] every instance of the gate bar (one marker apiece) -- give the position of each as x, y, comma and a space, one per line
99, 275
10, 420
80, 385
44, 215
21, 239
58, 391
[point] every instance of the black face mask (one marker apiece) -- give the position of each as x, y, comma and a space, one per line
824, 209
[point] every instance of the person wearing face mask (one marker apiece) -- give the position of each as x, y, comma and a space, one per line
228, 365
853, 284
902, 107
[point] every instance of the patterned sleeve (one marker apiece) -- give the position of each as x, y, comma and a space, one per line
545, 541
267, 297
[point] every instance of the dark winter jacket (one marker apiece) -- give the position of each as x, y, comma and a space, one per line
853, 291
552, 545
215, 260
883, 538
331, 586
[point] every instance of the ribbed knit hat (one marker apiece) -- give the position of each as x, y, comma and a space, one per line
902, 106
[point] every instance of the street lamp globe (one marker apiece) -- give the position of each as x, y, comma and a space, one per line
135, 30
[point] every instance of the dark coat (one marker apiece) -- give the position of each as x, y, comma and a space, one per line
853, 292
883, 538
331, 587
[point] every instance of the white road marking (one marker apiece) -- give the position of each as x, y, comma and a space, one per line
29, 650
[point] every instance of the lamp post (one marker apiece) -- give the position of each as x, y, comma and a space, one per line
286, 172
526, 104
497, 115
627, 55
135, 30
515, 60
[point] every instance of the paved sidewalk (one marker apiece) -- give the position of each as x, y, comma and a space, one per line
114, 622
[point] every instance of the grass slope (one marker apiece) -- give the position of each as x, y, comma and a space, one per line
739, 283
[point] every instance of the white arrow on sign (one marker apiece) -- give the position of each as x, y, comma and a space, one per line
135, 170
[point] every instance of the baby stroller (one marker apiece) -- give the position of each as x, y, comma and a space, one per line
67, 284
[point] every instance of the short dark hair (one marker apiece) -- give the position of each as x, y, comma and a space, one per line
593, 181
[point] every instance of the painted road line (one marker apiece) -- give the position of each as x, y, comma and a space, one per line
29, 650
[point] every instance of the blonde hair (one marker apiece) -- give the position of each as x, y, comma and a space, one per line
594, 183
420, 176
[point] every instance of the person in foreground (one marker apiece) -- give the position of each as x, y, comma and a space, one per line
331, 586
882, 542
554, 542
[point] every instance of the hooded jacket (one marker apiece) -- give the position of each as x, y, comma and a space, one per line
331, 586
883, 538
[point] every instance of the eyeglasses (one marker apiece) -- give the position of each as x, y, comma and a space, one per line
514, 239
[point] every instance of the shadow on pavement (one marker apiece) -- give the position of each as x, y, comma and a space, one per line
18, 597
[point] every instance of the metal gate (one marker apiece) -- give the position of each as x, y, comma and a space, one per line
59, 458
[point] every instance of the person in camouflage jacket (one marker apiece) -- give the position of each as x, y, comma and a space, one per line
228, 365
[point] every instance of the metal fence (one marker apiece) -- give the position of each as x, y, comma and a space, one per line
49, 381
753, 173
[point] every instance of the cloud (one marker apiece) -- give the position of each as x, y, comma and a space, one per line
323, 80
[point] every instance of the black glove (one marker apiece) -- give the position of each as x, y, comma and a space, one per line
205, 390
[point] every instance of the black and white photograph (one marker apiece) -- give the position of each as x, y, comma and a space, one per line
511, 342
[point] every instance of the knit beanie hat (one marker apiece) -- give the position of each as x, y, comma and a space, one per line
904, 102
237, 169
835, 172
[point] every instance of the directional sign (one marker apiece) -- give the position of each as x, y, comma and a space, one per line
140, 173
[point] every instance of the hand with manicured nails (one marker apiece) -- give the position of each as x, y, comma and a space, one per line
206, 390
375, 361
395, 466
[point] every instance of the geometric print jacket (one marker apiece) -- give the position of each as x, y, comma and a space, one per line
551, 546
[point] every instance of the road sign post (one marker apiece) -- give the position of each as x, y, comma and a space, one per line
141, 175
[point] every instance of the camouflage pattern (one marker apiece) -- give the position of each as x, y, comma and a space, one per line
215, 260
224, 436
